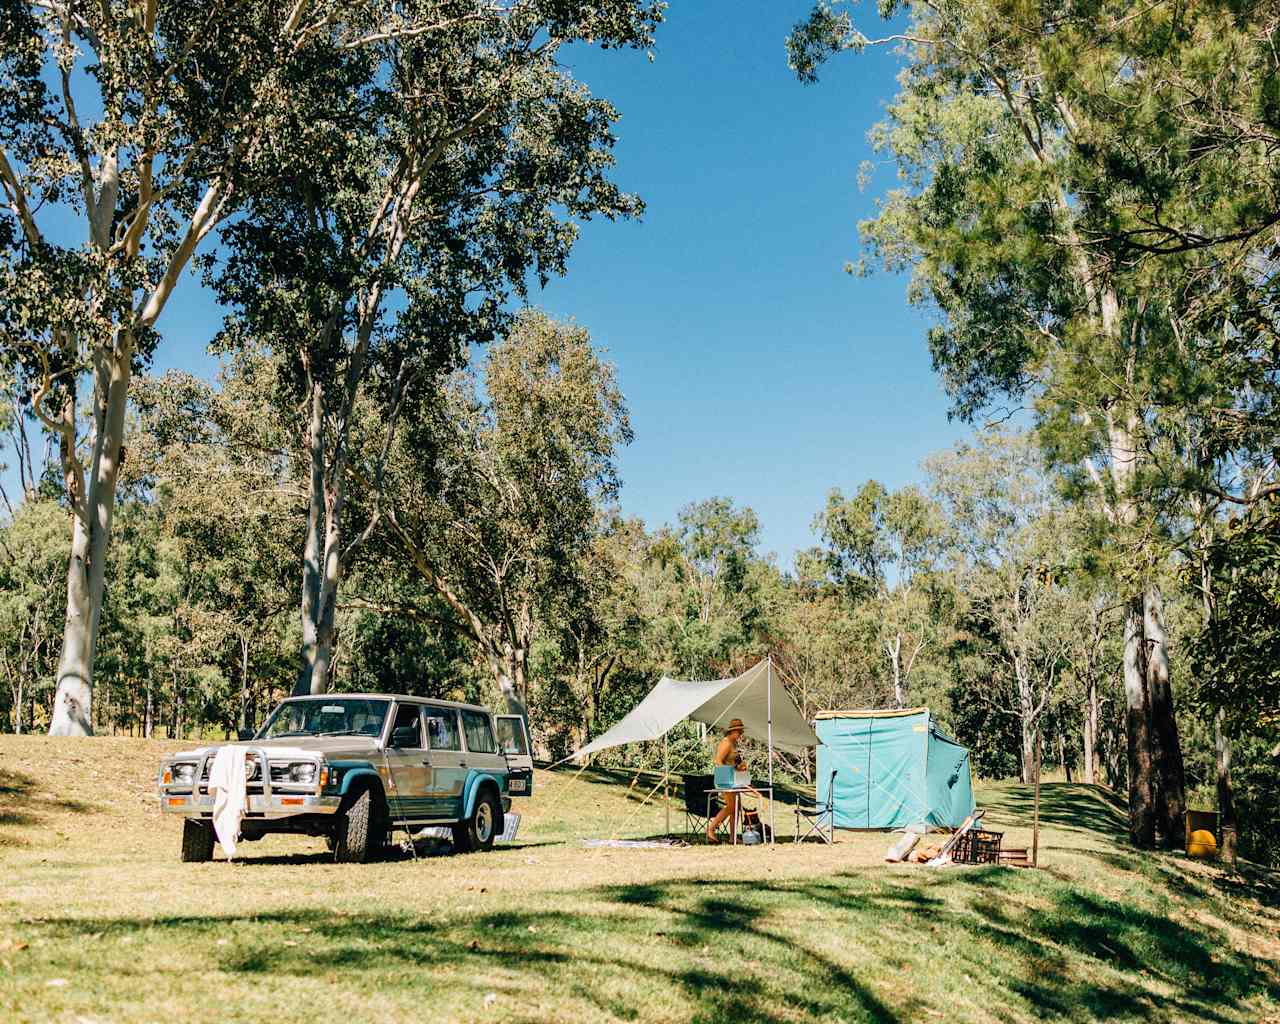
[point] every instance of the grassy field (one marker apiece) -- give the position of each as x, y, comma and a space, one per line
100, 922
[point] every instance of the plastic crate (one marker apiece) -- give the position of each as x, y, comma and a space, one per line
977, 847
727, 777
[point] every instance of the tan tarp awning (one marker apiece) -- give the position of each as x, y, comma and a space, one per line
750, 696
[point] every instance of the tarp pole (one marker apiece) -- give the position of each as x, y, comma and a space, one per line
769, 712
666, 776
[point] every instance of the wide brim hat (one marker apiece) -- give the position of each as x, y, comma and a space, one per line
735, 725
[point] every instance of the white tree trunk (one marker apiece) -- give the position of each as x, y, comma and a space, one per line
246, 704
1090, 730
1027, 723
1227, 823
1142, 812
894, 650
90, 539
312, 551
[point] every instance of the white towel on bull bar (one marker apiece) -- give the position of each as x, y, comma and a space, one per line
229, 784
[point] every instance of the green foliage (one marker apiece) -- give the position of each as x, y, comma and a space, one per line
492, 494
1235, 653
1256, 777
32, 574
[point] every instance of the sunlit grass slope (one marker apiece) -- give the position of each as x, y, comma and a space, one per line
99, 921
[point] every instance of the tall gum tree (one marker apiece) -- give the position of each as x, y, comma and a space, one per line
872, 534
993, 222
491, 499
456, 174
148, 121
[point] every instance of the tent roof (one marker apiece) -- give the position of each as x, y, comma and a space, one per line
715, 703
873, 713
934, 728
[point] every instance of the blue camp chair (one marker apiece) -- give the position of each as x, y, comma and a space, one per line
821, 819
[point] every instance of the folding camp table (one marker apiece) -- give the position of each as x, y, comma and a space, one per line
759, 791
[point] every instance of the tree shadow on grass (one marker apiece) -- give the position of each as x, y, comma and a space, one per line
698, 952
392, 854
1205, 882
1250, 882
23, 805
1064, 805
744, 950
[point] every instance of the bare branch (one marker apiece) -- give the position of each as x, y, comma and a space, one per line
16, 200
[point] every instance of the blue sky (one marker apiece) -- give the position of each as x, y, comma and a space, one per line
753, 365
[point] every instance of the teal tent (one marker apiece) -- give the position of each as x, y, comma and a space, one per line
893, 768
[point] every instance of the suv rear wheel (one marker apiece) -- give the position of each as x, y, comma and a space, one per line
480, 831
197, 841
361, 832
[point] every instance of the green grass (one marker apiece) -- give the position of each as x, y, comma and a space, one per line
99, 921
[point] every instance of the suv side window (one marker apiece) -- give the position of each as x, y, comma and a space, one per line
479, 732
406, 734
442, 728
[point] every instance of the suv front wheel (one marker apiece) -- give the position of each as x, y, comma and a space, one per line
360, 833
197, 842
480, 831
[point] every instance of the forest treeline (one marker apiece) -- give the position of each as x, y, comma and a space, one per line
977, 592
405, 479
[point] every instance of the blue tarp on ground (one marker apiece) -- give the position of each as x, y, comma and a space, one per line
892, 769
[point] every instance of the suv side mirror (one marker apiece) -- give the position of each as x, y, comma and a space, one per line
245, 734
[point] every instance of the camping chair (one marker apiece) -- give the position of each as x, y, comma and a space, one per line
821, 819
700, 802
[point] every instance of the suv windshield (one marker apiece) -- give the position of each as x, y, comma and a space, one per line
326, 716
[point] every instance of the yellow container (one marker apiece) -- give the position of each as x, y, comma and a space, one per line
1202, 844
1201, 841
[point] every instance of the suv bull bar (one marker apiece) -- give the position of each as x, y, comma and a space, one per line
297, 798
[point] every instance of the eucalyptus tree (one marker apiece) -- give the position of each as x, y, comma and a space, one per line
996, 220
1234, 650
150, 122
712, 596
490, 496
1006, 537
877, 534
716, 544
224, 482
826, 655
456, 171
31, 557
599, 626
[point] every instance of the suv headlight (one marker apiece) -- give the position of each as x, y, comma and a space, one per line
183, 772
302, 771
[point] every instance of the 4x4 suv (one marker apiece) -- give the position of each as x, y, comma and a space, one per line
350, 767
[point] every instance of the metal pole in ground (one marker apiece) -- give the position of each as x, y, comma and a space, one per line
769, 713
1035, 816
666, 776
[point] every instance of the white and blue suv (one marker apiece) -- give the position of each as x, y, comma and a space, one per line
352, 766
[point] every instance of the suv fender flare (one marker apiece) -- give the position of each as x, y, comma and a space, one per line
476, 784
354, 779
